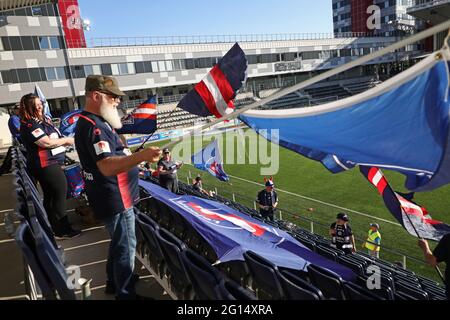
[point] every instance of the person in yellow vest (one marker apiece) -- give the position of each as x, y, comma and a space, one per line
373, 241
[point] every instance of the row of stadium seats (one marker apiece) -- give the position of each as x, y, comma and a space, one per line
396, 282
36, 240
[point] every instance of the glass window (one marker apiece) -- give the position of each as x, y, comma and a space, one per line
179, 65
35, 75
106, 69
27, 43
123, 68
54, 43
96, 69
36, 11
43, 43
155, 66
88, 70
16, 44
50, 74
139, 67
115, 69
131, 69
169, 65
6, 76
23, 75
78, 72
60, 73
1, 45
161, 66
6, 44
189, 63
50, 9
20, 12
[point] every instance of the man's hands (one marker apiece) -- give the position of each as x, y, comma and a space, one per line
423, 244
151, 154
69, 141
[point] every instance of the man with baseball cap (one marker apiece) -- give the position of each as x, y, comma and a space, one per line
373, 241
267, 200
167, 169
111, 176
342, 235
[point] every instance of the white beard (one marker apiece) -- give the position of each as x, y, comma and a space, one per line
111, 115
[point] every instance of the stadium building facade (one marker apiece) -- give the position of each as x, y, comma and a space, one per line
43, 42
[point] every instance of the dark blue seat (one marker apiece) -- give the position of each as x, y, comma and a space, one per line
327, 281
326, 252
203, 276
230, 290
264, 275
296, 288
41, 254
171, 248
385, 292
354, 292
352, 264
236, 270
405, 288
154, 254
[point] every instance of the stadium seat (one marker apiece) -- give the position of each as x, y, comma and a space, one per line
354, 292
308, 243
326, 252
354, 265
264, 275
327, 281
296, 288
237, 271
203, 276
25, 241
384, 292
155, 256
171, 248
230, 290
406, 288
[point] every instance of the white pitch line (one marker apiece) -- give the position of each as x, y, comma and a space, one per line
87, 245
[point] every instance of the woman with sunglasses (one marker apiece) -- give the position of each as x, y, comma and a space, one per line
45, 154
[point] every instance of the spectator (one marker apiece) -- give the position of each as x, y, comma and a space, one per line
342, 235
198, 186
267, 200
45, 155
440, 254
14, 124
373, 241
111, 176
167, 170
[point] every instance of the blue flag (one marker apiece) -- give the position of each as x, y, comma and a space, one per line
40, 94
401, 124
69, 122
214, 95
209, 159
141, 120
230, 233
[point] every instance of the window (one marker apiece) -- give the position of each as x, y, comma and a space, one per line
28, 44
179, 65
155, 66
1, 45
143, 67
43, 43
51, 74
169, 65
252, 59
307, 55
6, 76
161, 66
1, 80
291, 56
54, 42
78, 72
106, 69
189, 63
16, 44
24, 76
35, 75
92, 69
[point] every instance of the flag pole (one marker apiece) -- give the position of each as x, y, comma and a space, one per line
332, 72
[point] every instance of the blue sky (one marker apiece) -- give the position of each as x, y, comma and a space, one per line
133, 18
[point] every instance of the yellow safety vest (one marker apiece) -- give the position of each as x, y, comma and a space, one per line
371, 239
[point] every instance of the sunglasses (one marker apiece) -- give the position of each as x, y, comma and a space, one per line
111, 95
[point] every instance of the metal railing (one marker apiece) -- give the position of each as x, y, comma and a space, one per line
420, 4
206, 39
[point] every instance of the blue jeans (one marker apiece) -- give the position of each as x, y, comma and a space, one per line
122, 250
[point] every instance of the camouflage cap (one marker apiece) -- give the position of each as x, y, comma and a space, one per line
104, 84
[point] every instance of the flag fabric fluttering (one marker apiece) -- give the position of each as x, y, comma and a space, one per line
38, 92
141, 120
411, 216
214, 95
69, 122
209, 159
402, 124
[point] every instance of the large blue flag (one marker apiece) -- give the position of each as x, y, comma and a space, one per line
401, 125
209, 159
215, 93
142, 119
69, 122
230, 233
40, 94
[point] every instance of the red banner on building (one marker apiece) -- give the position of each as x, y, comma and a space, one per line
72, 23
